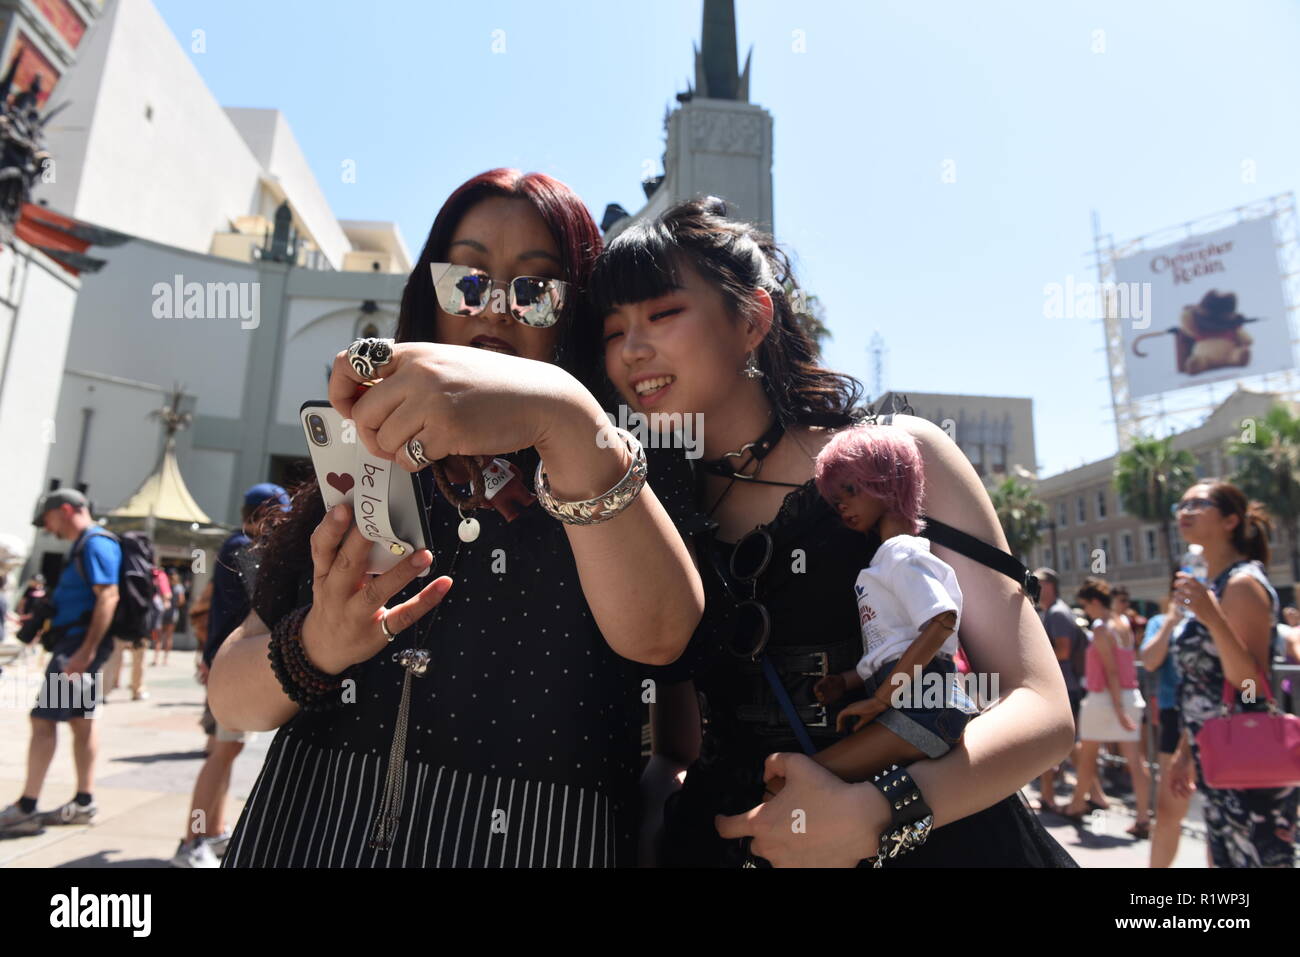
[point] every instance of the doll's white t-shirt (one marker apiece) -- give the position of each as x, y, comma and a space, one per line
898, 593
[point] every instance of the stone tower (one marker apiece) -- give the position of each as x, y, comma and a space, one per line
719, 143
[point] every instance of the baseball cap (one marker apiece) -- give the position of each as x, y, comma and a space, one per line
264, 492
60, 496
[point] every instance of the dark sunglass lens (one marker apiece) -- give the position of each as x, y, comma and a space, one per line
537, 302
751, 555
752, 627
461, 291
473, 291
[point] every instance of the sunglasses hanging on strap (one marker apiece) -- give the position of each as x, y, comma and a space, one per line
941, 534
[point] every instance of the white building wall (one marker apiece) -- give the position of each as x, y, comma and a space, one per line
122, 442
116, 166
208, 475
268, 136
316, 329
37, 298
117, 332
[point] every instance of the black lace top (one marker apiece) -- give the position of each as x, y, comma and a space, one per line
808, 591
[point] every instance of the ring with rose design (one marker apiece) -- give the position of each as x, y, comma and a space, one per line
367, 356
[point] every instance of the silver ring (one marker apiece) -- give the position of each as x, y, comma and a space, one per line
383, 623
367, 356
415, 449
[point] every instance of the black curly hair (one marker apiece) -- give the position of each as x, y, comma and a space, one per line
642, 263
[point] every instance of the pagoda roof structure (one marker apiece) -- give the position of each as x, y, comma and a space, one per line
163, 495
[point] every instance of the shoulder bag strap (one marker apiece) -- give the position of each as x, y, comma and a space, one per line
982, 552
1229, 692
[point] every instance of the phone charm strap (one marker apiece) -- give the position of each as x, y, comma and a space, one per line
415, 661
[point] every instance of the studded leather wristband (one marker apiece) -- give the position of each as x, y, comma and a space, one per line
906, 804
910, 817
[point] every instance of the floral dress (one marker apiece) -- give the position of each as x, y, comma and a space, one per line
1246, 828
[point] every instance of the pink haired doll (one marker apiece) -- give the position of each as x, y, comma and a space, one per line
909, 608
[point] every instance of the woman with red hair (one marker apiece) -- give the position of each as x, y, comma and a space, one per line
502, 727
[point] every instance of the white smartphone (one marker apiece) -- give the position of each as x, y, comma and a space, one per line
387, 501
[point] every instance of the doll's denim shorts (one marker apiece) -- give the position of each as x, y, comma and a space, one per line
934, 710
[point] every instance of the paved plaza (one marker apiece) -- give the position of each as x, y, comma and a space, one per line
151, 751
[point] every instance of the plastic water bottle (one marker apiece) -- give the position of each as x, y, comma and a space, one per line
1193, 563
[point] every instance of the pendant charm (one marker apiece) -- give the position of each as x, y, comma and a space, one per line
414, 660
468, 529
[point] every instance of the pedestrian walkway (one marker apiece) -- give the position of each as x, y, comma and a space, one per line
1101, 841
150, 754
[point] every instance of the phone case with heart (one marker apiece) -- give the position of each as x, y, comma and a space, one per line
387, 501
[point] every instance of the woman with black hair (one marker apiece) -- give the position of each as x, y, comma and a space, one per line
501, 726
699, 316
1229, 639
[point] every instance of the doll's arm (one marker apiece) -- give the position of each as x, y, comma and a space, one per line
834, 687
855, 758
920, 652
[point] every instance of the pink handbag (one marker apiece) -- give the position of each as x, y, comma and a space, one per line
1250, 749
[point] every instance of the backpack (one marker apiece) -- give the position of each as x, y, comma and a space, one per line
135, 583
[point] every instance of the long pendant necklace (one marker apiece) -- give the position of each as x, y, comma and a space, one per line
415, 660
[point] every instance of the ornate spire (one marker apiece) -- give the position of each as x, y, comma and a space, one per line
716, 73
22, 147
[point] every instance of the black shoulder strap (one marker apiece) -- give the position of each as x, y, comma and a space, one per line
982, 552
79, 546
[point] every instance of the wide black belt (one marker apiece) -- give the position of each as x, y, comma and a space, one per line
799, 667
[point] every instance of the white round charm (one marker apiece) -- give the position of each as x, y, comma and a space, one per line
468, 530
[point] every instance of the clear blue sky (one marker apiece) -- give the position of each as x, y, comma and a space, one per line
1150, 133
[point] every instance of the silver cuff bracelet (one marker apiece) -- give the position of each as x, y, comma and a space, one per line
603, 507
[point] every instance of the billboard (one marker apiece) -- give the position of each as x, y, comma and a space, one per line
1210, 308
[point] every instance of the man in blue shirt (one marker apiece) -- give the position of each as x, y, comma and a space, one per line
84, 601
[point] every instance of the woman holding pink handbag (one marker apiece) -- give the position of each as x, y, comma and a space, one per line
1228, 640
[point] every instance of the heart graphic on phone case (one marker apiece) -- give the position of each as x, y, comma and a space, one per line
342, 482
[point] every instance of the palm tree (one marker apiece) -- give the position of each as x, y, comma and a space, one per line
1150, 477
1266, 470
1021, 514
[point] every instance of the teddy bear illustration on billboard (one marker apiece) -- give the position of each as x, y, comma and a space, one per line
1209, 335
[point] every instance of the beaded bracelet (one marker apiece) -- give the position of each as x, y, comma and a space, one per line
304, 683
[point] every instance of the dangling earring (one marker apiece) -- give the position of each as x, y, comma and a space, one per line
751, 370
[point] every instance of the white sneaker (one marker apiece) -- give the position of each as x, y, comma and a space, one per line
195, 853
219, 843
72, 813
15, 822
